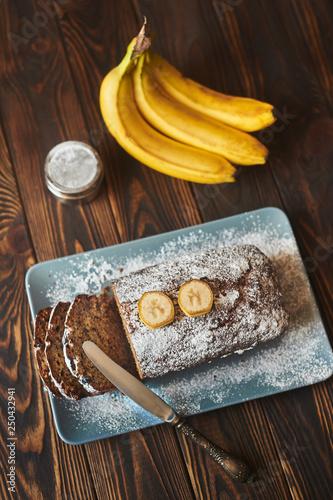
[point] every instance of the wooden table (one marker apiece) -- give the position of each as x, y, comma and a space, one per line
53, 59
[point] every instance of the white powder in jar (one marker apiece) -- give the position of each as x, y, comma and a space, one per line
73, 166
73, 172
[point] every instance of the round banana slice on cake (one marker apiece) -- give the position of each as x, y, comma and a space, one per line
195, 298
156, 309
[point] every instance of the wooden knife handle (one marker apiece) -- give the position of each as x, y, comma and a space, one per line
233, 466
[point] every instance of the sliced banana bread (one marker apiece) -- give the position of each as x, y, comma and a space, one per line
95, 318
41, 324
68, 385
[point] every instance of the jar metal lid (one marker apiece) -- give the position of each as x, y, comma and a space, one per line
73, 172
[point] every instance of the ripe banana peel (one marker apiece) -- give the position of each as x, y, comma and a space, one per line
187, 125
146, 144
156, 125
243, 113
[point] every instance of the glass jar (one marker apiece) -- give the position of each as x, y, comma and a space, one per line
73, 172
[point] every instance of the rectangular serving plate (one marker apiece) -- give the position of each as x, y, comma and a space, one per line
302, 356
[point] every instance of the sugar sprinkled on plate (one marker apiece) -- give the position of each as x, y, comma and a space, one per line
291, 361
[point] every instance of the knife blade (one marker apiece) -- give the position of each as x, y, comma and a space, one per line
128, 384
147, 399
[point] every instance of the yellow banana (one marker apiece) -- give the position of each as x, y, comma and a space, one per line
239, 112
177, 120
146, 144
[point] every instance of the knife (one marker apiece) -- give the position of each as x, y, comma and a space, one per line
147, 399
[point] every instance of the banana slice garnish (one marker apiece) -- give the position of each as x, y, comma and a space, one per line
195, 298
156, 309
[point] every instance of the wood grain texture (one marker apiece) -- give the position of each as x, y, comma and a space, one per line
300, 142
306, 450
226, 428
306, 125
144, 201
280, 52
45, 466
139, 208
37, 86
238, 47
77, 226
301, 163
39, 464
141, 464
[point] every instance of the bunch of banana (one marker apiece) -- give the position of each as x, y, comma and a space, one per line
176, 126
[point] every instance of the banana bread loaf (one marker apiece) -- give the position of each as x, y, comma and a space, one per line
247, 309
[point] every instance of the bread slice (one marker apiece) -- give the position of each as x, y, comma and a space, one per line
41, 324
95, 318
247, 310
68, 385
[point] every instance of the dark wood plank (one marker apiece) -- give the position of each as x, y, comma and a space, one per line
167, 34
79, 228
78, 46
34, 119
251, 54
44, 467
144, 201
37, 87
169, 203
302, 157
312, 410
230, 428
300, 162
135, 466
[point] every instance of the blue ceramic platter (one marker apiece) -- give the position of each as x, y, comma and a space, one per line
302, 356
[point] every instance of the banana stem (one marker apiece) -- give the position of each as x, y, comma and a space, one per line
143, 40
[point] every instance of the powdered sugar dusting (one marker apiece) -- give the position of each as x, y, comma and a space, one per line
258, 315
301, 356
